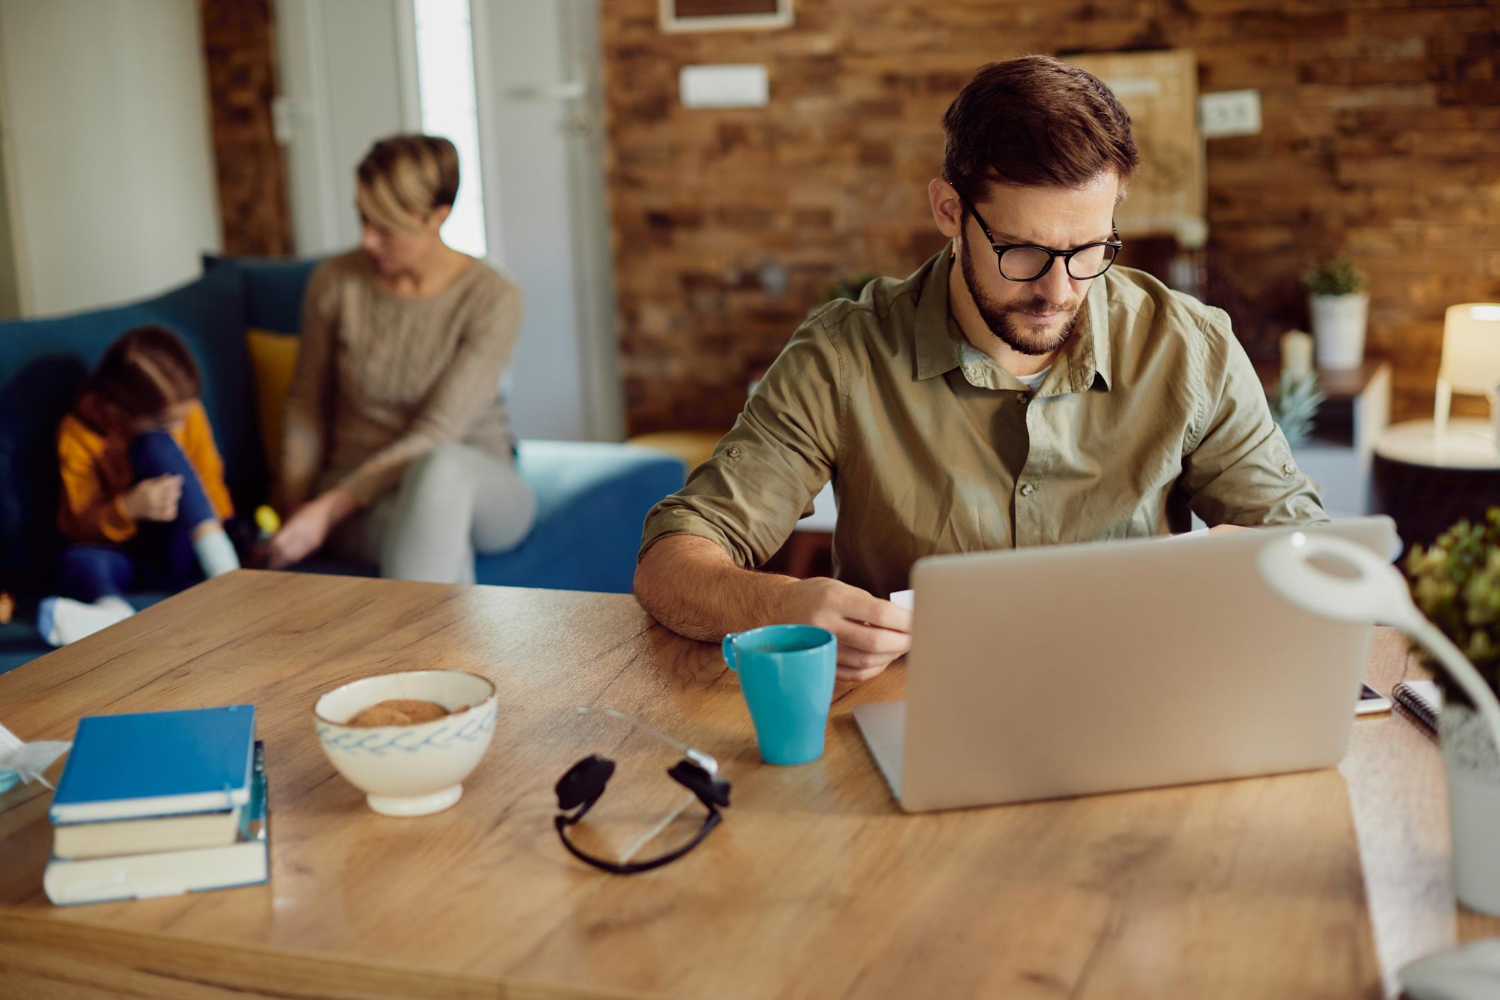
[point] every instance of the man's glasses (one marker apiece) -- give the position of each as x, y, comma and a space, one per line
1023, 262
584, 784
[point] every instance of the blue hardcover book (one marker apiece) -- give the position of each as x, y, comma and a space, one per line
157, 764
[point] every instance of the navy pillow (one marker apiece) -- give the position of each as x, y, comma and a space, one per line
33, 400
273, 288
41, 364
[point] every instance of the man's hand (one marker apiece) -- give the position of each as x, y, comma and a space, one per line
872, 633
154, 499
694, 588
306, 530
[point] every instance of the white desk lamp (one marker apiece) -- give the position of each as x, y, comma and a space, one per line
1297, 568
1471, 361
1371, 590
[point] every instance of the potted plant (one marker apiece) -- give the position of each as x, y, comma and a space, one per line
1456, 584
1294, 403
1338, 302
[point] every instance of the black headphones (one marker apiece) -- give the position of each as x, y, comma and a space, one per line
584, 783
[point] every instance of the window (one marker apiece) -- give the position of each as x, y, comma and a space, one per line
445, 83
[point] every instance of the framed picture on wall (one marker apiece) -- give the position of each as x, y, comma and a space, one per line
1169, 195
724, 15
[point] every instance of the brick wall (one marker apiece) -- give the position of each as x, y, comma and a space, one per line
1381, 137
239, 50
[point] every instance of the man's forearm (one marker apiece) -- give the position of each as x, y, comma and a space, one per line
692, 587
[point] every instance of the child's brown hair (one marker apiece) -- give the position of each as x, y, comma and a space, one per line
143, 374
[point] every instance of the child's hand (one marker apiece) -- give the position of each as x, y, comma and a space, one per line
154, 499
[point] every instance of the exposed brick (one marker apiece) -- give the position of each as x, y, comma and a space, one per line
1380, 125
239, 53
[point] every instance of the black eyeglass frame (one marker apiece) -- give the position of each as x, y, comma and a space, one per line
1067, 255
584, 784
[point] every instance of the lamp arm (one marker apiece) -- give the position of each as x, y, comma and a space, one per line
1457, 666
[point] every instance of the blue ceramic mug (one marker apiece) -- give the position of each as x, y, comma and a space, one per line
786, 672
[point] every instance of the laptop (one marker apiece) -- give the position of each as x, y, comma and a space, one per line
1050, 672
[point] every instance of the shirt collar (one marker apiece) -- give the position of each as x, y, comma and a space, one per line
940, 344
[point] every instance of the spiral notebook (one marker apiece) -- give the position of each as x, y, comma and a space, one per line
1423, 699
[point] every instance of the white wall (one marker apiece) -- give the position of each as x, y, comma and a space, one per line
10, 291
109, 166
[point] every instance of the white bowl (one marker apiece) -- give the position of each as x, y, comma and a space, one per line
408, 770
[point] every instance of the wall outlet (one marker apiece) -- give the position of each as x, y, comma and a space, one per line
1229, 112
732, 86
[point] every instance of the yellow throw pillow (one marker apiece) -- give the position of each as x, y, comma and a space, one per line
273, 357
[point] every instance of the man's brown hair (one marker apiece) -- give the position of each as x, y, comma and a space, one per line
143, 374
1035, 121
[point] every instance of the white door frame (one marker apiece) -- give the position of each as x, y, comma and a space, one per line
587, 225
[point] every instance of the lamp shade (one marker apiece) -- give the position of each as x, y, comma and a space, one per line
1471, 348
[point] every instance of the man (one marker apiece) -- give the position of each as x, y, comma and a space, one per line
1016, 390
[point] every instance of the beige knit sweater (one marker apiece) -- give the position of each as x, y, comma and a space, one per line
382, 379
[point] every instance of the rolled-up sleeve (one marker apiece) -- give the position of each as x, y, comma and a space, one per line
764, 473
1239, 468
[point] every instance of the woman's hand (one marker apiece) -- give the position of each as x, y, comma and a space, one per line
306, 530
154, 499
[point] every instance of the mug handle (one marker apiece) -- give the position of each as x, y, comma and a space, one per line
728, 648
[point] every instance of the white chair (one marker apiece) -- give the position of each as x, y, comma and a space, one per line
1471, 361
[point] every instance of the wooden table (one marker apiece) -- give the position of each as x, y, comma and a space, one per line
1312, 885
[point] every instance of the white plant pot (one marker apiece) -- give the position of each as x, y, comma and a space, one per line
1338, 323
1472, 764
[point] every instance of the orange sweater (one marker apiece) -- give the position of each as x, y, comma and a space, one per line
96, 475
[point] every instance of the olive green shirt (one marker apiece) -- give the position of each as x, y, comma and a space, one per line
1151, 410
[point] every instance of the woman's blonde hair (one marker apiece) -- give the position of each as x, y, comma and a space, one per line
405, 178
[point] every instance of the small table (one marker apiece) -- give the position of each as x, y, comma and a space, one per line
1428, 481
1315, 884
1340, 451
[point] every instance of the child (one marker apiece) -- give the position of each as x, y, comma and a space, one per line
143, 495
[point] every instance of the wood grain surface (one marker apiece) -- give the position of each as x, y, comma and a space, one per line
816, 885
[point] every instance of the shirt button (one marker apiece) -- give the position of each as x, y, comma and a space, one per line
1027, 489
734, 451
1288, 468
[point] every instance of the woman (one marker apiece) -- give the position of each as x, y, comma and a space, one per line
397, 448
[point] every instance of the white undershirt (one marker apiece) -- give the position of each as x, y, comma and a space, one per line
1032, 381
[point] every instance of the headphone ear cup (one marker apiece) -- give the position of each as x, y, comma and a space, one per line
709, 788
584, 781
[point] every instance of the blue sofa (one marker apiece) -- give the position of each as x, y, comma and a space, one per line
591, 498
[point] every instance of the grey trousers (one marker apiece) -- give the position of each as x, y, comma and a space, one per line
453, 501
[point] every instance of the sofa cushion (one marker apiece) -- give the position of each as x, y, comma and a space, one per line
42, 362
33, 399
273, 288
273, 358
591, 501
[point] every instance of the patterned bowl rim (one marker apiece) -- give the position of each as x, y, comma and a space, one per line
494, 693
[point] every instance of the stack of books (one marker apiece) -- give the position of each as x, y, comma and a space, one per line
158, 804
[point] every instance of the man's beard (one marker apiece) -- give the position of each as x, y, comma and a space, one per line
1020, 336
